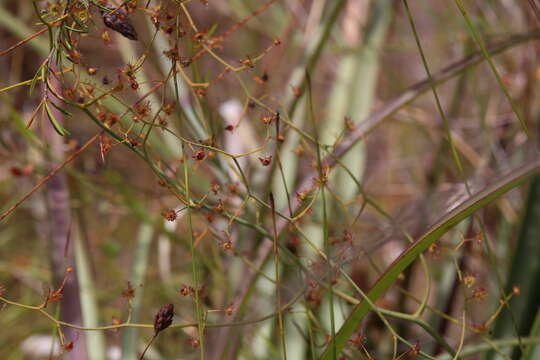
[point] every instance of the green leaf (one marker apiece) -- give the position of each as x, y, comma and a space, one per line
59, 129
39, 75
59, 108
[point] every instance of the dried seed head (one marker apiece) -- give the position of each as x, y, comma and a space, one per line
170, 215
233, 188
479, 294
163, 318
200, 36
357, 339
226, 245
247, 62
296, 91
118, 21
169, 108
185, 61
129, 292
199, 155
187, 290
349, 124
143, 109
469, 280
75, 56
201, 92
265, 161
19, 172
267, 120
479, 328
68, 346
115, 322
195, 343
219, 207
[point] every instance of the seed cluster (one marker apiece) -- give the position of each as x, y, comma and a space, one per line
163, 318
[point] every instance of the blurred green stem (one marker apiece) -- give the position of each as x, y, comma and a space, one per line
524, 273
140, 263
95, 341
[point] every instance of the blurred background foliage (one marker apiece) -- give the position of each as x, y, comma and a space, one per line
260, 165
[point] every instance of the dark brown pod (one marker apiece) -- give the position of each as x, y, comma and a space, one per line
117, 20
163, 318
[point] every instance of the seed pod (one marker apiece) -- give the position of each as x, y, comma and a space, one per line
117, 20
163, 318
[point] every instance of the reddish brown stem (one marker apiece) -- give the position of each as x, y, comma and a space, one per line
22, 42
49, 177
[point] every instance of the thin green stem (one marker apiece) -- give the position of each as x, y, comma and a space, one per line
478, 39
277, 281
194, 262
322, 178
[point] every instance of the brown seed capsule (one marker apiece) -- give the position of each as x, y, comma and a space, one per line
118, 21
199, 155
129, 292
163, 318
187, 290
68, 346
265, 161
170, 215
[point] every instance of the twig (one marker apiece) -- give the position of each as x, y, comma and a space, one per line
48, 177
22, 42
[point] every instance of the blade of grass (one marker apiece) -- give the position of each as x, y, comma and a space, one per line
375, 119
454, 217
533, 351
476, 349
523, 274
